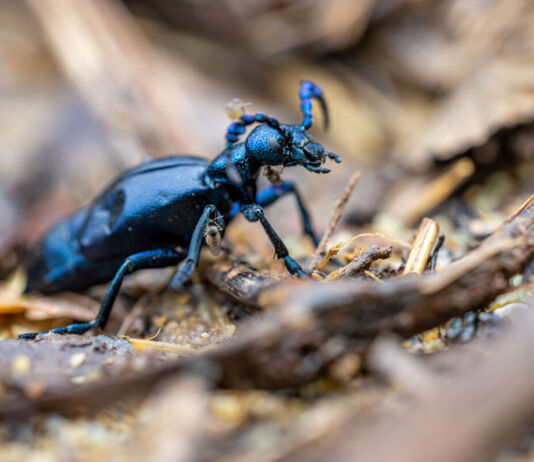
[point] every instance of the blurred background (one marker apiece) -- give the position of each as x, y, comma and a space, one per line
432, 100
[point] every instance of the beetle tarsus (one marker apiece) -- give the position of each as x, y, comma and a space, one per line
294, 268
78, 328
182, 275
29, 336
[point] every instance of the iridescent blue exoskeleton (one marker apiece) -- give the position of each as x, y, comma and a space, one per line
159, 213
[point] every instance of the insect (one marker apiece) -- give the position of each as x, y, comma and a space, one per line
213, 237
160, 213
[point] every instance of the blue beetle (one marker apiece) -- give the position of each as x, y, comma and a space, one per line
157, 214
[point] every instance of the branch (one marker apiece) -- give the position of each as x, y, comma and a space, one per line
294, 343
466, 419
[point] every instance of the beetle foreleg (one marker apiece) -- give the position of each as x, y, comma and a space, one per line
144, 260
188, 266
272, 193
254, 212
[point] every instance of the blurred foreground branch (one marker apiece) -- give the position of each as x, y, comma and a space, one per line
467, 419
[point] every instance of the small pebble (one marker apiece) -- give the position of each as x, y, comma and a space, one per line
228, 408
346, 367
21, 365
83, 379
77, 359
34, 390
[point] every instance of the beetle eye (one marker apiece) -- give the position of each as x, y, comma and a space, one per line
274, 144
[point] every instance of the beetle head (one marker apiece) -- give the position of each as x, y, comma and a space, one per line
289, 146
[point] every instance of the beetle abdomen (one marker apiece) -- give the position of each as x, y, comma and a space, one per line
56, 263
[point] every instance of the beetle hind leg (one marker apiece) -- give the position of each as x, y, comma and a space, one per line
145, 260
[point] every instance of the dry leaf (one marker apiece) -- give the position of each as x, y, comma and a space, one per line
482, 55
38, 308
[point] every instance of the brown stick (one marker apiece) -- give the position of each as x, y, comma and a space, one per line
433, 193
422, 246
339, 206
361, 262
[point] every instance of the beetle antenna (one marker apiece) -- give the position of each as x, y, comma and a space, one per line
238, 127
334, 157
309, 91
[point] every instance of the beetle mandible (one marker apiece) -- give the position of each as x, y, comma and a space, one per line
157, 214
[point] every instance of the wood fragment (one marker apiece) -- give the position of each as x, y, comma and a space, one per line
435, 252
361, 262
422, 247
356, 312
140, 344
333, 251
491, 248
339, 207
240, 282
37, 307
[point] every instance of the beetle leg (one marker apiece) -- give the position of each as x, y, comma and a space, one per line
144, 260
309, 91
188, 266
254, 212
272, 193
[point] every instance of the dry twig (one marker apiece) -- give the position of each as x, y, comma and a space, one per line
240, 282
422, 246
339, 206
361, 262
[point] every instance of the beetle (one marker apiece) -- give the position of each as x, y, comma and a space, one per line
159, 214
